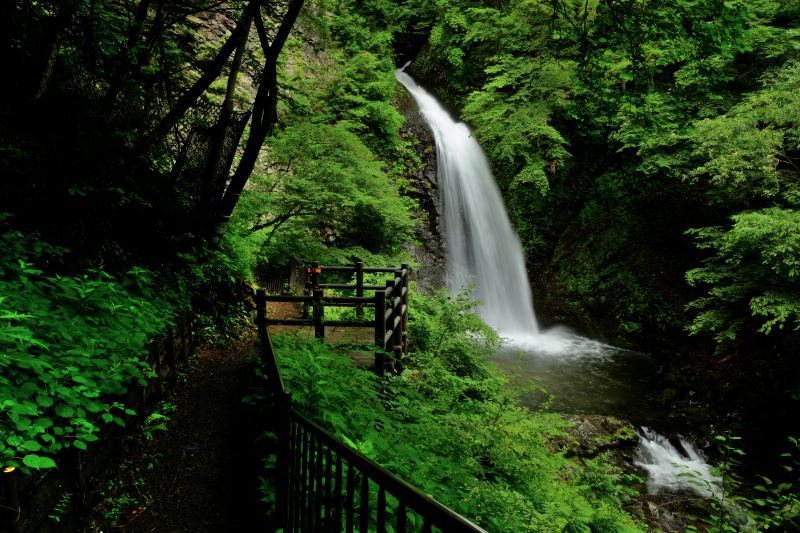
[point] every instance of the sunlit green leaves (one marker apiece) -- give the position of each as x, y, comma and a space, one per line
755, 266
68, 344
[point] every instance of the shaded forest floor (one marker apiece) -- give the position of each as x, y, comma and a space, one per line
193, 466
198, 473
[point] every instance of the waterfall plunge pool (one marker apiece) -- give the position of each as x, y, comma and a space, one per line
583, 376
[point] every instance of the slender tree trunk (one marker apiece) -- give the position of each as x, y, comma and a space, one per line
50, 49
211, 73
265, 115
133, 37
217, 165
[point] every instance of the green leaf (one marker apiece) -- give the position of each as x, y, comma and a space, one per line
31, 446
37, 461
64, 411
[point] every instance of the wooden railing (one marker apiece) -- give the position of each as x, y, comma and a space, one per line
390, 302
323, 485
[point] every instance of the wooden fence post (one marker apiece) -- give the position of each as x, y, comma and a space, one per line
12, 500
316, 270
397, 325
389, 322
319, 314
360, 287
380, 329
405, 290
306, 292
261, 310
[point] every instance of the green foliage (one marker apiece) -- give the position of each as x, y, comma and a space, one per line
447, 426
614, 128
329, 189
61, 507
751, 275
750, 157
71, 347
762, 505
323, 190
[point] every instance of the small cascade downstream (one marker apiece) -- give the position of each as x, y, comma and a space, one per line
669, 468
484, 252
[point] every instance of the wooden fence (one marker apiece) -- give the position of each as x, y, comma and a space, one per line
323, 485
390, 302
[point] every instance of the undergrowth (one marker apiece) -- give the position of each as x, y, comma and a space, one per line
73, 339
448, 426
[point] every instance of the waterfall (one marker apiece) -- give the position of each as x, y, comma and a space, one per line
481, 246
670, 469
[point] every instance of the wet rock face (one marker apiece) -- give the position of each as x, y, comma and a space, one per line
594, 434
422, 181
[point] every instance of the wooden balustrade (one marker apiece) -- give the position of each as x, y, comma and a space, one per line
391, 325
325, 486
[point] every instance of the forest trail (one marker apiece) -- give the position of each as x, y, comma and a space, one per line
203, 475
335, 334
198, 474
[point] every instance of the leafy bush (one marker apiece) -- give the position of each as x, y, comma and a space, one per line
71, 346
448, 426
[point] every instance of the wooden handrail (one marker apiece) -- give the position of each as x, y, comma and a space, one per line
314, 494
390, 324
433, 512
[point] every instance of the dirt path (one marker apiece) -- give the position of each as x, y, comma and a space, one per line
199, 475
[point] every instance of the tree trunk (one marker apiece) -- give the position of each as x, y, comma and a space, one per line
265, 116
199, 87
217, 166
50, 50
133, 37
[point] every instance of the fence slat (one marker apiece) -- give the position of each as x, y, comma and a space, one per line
295, 475
336, 523
381, 517
320, 497
401, 517
350, 499
304, 482
363, 514
328, 488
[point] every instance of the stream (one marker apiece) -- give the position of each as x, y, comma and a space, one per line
578, 375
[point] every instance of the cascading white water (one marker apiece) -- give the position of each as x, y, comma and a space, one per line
669, 469
482, 247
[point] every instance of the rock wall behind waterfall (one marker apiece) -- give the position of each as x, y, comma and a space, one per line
423, 187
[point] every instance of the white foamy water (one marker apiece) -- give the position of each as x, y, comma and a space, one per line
482, 247
669, 468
